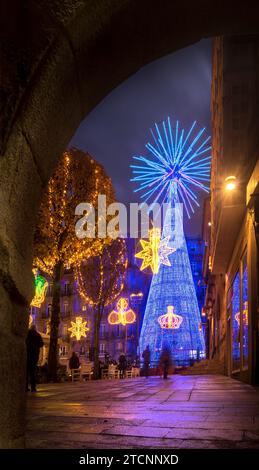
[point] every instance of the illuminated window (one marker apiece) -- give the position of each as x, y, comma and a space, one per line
245, 311
84, 308
102, 348
236, 323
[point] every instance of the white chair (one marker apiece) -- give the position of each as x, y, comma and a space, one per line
135, 372
75, 375
86, 371
113, 372
128, 373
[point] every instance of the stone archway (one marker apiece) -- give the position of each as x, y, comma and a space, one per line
58, 60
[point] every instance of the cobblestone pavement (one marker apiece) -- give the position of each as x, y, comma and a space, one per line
182, 412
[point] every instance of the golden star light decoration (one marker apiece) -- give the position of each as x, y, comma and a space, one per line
123, 315
155, 251
78, 328
170, 321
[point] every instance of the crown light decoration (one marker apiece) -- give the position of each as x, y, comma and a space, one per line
170, 320
123, 315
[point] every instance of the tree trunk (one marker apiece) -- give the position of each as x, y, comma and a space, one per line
97, 323
54, 325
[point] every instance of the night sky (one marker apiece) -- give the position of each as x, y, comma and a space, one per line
178, 86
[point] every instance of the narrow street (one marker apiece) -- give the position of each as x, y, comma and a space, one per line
183, 412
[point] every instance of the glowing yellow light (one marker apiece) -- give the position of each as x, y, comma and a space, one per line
155, 251
230, 183
78, 328
170, 320
30, 320
123, 315
41, 286
245, 315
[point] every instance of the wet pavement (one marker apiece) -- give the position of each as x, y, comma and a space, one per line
208, 411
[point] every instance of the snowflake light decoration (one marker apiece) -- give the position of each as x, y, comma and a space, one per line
170, 320
175, 157
78, 328
155, 251
123, 315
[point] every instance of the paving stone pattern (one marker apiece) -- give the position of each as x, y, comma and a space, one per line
183, 412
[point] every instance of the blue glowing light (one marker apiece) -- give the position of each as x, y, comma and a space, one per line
177, 165
173, 286
174, 156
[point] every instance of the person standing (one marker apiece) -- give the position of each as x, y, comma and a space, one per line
165, 361
122, 365
34, 342
74, 361
146, 357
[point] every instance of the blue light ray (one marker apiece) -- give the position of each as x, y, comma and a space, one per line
176, 156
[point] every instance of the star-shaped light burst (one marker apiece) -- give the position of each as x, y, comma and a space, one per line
175, 156
123, 314
170, 321
78, 328
155, 251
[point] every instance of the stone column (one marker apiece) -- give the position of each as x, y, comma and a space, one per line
20, 189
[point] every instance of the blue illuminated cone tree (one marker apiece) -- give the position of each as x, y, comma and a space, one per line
177, 164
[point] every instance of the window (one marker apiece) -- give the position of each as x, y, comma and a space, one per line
66, 311
50, 289
245, 311
102, 348
63, 351
49, 311
236, 323
82, 351
84, 308
66, 288
102, 329
119, 346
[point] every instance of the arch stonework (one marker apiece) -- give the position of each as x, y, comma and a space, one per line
59, 58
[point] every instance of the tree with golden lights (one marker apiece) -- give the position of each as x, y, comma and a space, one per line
77, 178
100, 281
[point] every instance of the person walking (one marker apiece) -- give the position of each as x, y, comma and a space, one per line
122, 365
34, 342
165, 361
146, 357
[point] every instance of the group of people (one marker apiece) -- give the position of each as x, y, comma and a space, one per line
34, 343
165, 362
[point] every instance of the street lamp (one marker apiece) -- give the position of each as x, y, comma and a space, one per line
230, 183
